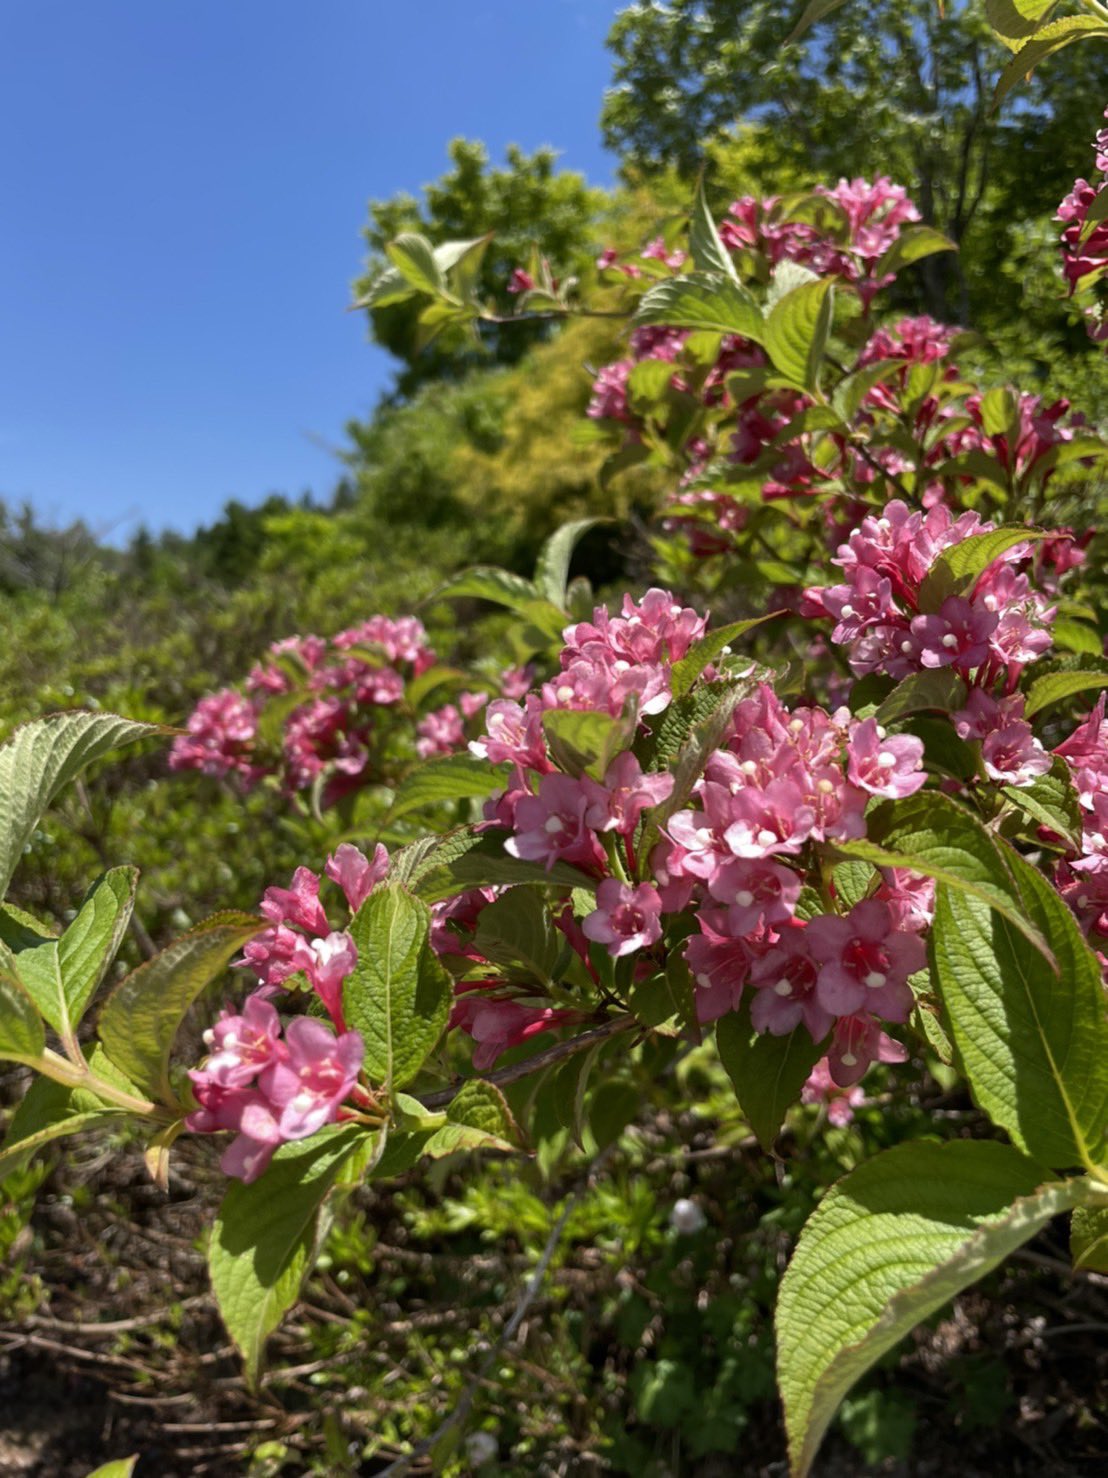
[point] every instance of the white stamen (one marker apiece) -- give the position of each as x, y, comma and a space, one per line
749, 767
552, 824
783, 987
906, 648
886, 761
950, 641
848, 1059
875, 980
766, 838
744, 897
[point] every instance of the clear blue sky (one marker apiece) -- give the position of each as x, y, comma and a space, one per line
183, 184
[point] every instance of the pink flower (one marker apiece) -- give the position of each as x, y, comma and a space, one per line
551, 826
309, 1086
864, 963
514, 734
242, 1044
617, 804
882, 765
355, 874
756, 893
297, 905
335, 958
1013, 756
495, 1025
957, 636
276, 954
626, 918
222, 729
785, 979
440, 732
767, 821
521, 281
857, 1042
247, 1114
719, 965
821, 1088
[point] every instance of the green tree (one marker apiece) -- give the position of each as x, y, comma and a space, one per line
527, 201
897, 87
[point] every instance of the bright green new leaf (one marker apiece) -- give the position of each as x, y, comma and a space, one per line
684, 673
1077, 636
89, 944
517, 930
552, 569
887, 1246
477, 1118
912, 245
957, 569
1058, 685
703, 300
122, 1467
144, 1012
43, 756
1013, 21
487, 582
1044, 43
22, 1034
263, 1240
1032, 1038
398, 995
452, 778
934, 835
414, 258
766, 1072
705, 247
796, 332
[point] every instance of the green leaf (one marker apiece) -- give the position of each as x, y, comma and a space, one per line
486, 582
144, 1012
414, 258
941, 689
912, 245
263, 1240
42, 757
90, 943
706, 249
387, 288
703, 300
483, 863
1076, 636
931, 834
1032, 1038
647, 385
22, 1035
888, 1245
684, 673
1089, 1238
1097, 212
957, 569
853, 882
47, 1112
398, 995
451, 778
552, 569
1013, 21
766, 1072
1044, 43
583, 740
516, 929
1051, 800
1058, 685
122, 1467
477, 1117
796, 332
1000, 412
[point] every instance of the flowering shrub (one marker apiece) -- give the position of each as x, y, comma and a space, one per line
903, 851
1084, 214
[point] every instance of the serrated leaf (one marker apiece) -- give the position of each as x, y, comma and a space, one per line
552, 569
796, 332
766, 1072
851, 392
889, 1244
484, 864
262, 1243
1055, 686
487, 582
929, 833
583, 740
853, 881
1076, 636
705, 247
703, 300
941, 689
90, 943
398, 995
454, 777
517, 929
912, 245
477, 1117
1032, 1038
684, 673
42, 757
957, 569
1089, 1238
1013, 21
647, 384
142, 1015
388, 287
22, 1035
1044, 43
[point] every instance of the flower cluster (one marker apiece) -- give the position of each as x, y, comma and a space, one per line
1082, 875
268, 1082
1085, 240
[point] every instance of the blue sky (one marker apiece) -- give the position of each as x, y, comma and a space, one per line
184, 182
